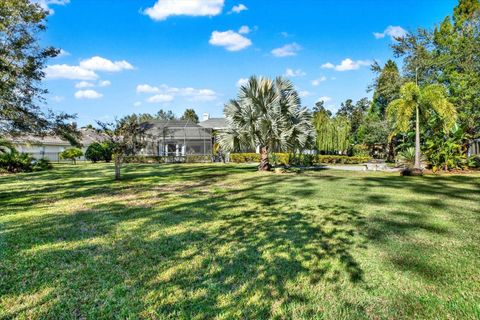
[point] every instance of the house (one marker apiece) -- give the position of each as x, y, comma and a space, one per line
474, 147
50, 146
179, 138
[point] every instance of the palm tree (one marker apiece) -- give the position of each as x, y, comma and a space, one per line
267, 114
415, 101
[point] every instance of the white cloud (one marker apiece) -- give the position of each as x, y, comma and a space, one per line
57, 99
316, 82
88, 94
84, 84
328, 65
101, 64
287, 50
392, 31
229, 39
160, 98
294, 73
146, 88
45, 4
137, 104
163, 9
63, 53
303, 94
104, 83
347, 65
242, 82
325, 99
166, 93
244, 30
238, 8
64, 71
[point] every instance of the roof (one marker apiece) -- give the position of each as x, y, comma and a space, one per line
174, 130
214, 123
88, 136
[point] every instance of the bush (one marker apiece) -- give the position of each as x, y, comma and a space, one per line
95, 152
299, 160
72, 154
15, 162
107, 152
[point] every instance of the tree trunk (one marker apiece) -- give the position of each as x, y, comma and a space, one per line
118, 164
417, 139
264, 163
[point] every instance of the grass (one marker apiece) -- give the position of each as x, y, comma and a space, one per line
225, 242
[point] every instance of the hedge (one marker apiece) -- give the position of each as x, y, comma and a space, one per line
306, 159
167, 159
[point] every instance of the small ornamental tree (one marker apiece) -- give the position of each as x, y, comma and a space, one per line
71, 154
124, 138
107, 151
95, 152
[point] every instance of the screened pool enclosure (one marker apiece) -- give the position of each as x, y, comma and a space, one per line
176, 139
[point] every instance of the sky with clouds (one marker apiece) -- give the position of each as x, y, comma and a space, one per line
120, 57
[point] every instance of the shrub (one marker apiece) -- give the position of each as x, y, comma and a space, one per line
16, 162
72, 154
107, 152
300, 160
95, 152
41, 165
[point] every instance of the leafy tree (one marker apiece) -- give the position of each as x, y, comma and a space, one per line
72, 154
332, 134
22, 61
414, 102
267, 113
374, 132
165, 115
95, 152
355, 114
386, 86
124, 138
107, 151
190, 114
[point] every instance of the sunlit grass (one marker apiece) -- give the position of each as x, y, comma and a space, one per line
223, 242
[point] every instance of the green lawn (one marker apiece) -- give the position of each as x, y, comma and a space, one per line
226, 242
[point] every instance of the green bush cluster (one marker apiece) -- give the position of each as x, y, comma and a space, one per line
167, 159
15, 162
298, 160
99, 152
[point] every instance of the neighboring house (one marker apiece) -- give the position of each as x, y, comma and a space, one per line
50, 146
474, 147
176, 138
180, 138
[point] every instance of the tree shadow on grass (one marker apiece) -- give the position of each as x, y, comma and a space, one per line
242, 253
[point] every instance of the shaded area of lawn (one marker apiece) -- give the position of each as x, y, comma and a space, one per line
199, 241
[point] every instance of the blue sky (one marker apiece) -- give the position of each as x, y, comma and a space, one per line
120, 57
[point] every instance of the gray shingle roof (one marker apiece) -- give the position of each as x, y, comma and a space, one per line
88, 136
214, 123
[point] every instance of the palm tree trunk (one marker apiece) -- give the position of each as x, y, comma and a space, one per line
118, 164
417, 139
264, 162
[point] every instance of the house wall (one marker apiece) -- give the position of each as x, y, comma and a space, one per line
50, 152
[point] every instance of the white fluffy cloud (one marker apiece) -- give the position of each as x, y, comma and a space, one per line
160, 98
347, 65
316, 82
287, 50
230, 40
101, 64
146, 88
84, 84
64, 71
242, 82
137, 104
45, 4
163, 9
244, 30
166, 93
88, 94
392, 31
325, 99
238, 8
294, 73
57, 99
104, 83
